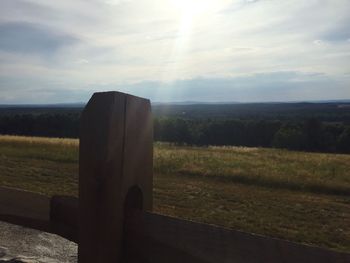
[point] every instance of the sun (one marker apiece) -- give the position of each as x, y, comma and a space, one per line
191, 11
193, 7
190, 16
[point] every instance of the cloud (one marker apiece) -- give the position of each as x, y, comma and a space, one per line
31, 38
22, 10
137, 45
268, 86
340, 32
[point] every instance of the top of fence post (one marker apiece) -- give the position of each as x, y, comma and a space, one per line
116, 154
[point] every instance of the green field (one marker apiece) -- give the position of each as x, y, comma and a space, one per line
303, 197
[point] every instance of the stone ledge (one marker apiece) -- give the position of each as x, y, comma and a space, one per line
23, 245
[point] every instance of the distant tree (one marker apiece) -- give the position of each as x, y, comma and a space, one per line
343, 142
290, 137
157, 134
331, 133
182, 132
313, 135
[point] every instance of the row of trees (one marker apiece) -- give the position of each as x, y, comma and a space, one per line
49, 125
308, 135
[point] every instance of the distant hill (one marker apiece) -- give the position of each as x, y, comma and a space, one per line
173, 103
31, 106
329, 111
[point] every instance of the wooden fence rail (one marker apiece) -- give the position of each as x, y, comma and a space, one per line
156, 238
111, 221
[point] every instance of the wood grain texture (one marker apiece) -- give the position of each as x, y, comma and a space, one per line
24, 208
64, 217
138, 149
115, 154
57, 215
155, 238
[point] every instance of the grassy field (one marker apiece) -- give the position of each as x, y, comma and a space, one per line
303, 197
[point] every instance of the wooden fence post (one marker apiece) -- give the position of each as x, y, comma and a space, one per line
116, 154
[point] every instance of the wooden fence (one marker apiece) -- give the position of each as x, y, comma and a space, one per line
112, 219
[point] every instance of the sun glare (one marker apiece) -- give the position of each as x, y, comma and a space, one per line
193, 7
190, 14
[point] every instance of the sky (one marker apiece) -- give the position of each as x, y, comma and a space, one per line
174, 50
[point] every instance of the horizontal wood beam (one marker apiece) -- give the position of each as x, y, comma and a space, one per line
25, 208
57, 215
64, 217
23, 203
155, 238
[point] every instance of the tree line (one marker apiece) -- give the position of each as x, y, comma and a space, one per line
306, 135
46, 125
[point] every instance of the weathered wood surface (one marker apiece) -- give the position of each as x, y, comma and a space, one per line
64, 217
57, 215
24, 208
115, 155
155, 238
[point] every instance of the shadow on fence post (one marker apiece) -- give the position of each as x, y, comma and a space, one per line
116, 154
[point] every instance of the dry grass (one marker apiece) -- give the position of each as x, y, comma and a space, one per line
302, 197
312, 172
44, 165
38, 140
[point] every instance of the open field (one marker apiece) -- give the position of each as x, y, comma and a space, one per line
303, 197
